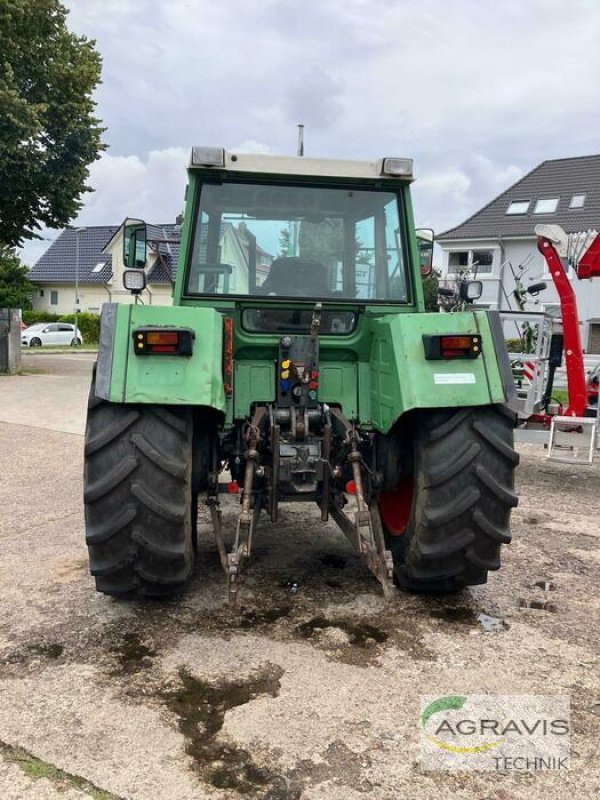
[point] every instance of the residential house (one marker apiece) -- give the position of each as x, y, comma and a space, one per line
499, 242
95, 255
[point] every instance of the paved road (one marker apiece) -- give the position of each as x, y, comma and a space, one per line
50, 394
312, 690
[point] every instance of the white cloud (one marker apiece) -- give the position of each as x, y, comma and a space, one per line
129, 186
477, 93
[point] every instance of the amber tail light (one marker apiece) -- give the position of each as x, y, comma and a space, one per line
163, 341
451, 346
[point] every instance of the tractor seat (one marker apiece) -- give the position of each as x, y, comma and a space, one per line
297, 277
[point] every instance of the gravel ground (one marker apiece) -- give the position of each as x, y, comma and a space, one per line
312, 689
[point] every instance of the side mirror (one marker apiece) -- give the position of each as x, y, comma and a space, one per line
134, 243
471, 290
425, 240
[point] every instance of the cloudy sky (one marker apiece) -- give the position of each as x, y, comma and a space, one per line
476, 91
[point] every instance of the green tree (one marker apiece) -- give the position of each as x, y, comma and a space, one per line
15, 289
48, 132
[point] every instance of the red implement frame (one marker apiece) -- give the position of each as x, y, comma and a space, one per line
588, 267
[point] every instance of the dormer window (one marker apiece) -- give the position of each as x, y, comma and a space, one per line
577, 201
546, 206
518, 207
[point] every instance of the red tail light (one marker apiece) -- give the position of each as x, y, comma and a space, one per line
452, 346
163, 341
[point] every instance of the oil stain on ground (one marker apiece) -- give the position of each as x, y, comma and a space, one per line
255, 617
39, 652
132, 654
200, 708
360, 634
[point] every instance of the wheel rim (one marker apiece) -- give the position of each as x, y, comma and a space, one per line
35, 342
395, 507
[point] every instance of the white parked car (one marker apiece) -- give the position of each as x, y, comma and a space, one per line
49, 333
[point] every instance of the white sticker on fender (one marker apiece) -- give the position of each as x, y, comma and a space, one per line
454, 377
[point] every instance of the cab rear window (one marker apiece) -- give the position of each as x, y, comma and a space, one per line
294, 320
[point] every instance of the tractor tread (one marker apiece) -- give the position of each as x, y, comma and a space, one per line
506, 496
138, 498
464, 493
452, 466
443, 514
444, 428
495, 532
109, 527
169, 418
491, 563
169, 465
503, 448
443, 548
157, 580
111, 432
156, 504
110, 480
122, 561
171, 553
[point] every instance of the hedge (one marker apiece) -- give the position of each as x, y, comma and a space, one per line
89, 324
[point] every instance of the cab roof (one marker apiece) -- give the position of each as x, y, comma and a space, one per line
218, 159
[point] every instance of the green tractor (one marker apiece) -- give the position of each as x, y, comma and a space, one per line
297, 362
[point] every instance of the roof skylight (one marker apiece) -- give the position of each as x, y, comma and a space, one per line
577, 201
546, 206
518, 207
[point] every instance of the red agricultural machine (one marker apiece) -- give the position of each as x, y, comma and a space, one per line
574, 430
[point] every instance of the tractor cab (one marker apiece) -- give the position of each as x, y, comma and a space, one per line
266, 229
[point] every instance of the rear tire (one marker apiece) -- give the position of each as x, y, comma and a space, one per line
462, 495
138, 502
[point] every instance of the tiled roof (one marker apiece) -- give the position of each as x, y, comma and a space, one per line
562, 178
57, 265
164, 269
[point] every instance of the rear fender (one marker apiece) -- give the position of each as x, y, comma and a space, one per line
402, 379
124, 377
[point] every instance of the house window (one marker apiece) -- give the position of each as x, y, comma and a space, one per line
482, 261
41, 292
518, 207
53, 297
547, 206
577, 201
459, 258
479, 261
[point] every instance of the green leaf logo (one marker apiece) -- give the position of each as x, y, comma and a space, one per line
452, 702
